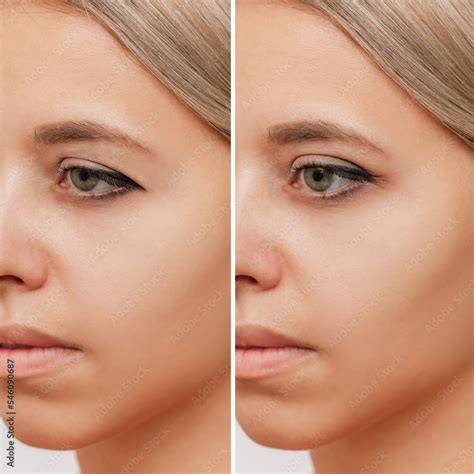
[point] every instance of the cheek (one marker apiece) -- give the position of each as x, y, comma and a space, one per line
387, 305
161, 242
382, 267
151, 303
156, 277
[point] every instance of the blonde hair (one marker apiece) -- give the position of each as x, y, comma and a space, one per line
183, 43
423, 45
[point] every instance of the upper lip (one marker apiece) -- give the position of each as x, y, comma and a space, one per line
27, 336
253, 335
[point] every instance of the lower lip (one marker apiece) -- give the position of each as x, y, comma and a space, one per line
34, 361
253, 363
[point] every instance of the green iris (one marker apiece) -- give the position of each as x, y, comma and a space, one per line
318, 179
83, 179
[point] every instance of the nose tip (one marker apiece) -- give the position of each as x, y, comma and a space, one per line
256, 268
22, 264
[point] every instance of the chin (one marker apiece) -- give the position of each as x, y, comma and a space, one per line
47, 435
40, 438
55, 426
272, 424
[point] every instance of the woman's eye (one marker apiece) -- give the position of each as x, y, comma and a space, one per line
95, 183
320, 179
329, 180
83, 179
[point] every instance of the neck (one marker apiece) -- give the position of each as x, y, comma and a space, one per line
435, 435
190, 438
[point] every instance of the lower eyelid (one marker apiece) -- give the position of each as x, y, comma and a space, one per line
99, 196
334, 196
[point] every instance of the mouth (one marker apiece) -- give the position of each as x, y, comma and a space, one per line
261, 352
26, 352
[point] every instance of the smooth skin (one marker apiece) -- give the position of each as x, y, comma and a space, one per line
379, 281
138, 282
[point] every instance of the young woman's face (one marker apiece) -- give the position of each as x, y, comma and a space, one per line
353, 232
114, 230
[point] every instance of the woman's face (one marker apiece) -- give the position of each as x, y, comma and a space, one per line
367, 262
114, 230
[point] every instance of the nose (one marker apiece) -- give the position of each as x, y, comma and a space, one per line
21, 267
259, 258
23, 264
258, 264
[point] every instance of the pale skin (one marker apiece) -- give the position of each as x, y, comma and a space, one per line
139, 282
378, 281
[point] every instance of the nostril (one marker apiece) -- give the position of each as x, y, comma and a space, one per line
11, 279
242, 279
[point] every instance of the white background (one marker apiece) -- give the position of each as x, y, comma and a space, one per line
36, 461
251, 457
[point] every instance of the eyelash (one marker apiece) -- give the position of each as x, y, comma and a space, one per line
122, 183
354, 174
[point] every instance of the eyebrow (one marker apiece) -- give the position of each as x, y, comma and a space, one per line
75, 131
304, 131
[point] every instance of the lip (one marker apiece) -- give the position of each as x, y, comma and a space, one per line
38, 354
261, 352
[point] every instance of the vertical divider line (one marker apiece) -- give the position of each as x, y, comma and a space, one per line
232, 240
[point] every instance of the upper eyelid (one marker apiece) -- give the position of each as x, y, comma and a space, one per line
319, 160
330, 166
102, 171
93, 166
89, 165
347, 165
126, 181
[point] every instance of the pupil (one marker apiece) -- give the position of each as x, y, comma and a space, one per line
318, 174
84, 175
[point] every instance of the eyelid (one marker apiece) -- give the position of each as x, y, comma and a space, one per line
322, 160
83, 163
101, 174
356, 176
121, 185
330, 162
93, 166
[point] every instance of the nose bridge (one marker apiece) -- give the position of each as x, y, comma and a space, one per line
17, 189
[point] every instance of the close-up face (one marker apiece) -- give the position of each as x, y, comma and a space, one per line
353, 233
114, 230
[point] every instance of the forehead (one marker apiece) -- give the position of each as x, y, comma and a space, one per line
50, 54
43, 41
61, 66
293, 63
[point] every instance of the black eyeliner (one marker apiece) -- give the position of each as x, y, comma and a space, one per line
353, 173
122, 183
111, 177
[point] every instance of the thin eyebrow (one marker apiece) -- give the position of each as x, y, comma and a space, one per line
302, 131
72, 131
